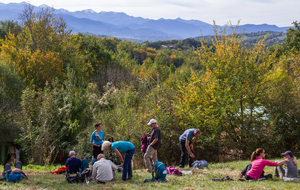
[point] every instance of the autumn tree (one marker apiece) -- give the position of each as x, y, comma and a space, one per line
44, 48
225, 101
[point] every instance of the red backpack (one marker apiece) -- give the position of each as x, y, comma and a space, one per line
60, 170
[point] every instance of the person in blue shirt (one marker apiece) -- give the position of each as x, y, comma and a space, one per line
122, 147
73, 164
186, 141
97, 139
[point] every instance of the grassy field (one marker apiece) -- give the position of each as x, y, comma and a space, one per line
41, 178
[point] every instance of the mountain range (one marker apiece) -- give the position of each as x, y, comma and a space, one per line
121, 25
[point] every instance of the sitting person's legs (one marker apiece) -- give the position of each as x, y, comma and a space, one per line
279, 171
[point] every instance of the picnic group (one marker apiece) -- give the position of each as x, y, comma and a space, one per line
104, 170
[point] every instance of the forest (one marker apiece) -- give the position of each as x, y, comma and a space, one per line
54, 86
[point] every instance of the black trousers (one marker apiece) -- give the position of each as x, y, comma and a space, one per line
97, 150
183, 154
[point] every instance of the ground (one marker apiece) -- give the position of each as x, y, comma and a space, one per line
41, 178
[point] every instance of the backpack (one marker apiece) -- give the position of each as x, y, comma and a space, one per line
14, 177
144, 143
159, 172
9, 177
199, 164
78, 178
60, 170
173, 171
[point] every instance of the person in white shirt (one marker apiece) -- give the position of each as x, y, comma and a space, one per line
103, 170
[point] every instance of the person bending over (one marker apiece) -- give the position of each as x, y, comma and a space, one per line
122, 147
186, 141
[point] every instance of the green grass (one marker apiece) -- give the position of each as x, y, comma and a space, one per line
201, 179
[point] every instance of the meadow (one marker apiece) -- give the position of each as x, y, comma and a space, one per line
41, 178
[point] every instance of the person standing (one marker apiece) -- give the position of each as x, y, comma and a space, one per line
151, 152
122, 147
186, 141
97, 139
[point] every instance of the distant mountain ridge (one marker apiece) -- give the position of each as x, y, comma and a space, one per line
121, 25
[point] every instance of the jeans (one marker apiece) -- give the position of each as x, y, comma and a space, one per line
127, 168
183, 153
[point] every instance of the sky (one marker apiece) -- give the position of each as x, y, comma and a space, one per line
276, 12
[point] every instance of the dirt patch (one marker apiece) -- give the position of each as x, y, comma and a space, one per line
37, 173
188, 188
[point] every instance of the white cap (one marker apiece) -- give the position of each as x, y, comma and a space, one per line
152, 121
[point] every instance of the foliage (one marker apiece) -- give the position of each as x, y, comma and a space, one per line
11, 86
223, 101
43, 49
291, 43
9, 26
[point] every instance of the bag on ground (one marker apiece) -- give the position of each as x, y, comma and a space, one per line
14, 177
173, 171
159, 172
78, 178
60, 170
200, 164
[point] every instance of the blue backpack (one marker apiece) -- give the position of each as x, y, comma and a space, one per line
159, 173
9, 177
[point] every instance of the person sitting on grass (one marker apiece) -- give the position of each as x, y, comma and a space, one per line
122, 147
291, 168
258, 164
73, 164
103, 170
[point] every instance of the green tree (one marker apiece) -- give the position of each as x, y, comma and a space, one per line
9, 26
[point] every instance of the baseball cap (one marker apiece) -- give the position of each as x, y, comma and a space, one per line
288, 153
152, 121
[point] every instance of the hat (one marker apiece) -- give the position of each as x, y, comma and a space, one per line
288, 153
152, 121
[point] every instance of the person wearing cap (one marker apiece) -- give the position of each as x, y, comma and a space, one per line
97, 139
122, 147
73, 164
186, 141
258, 164
290, 170
151, 152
